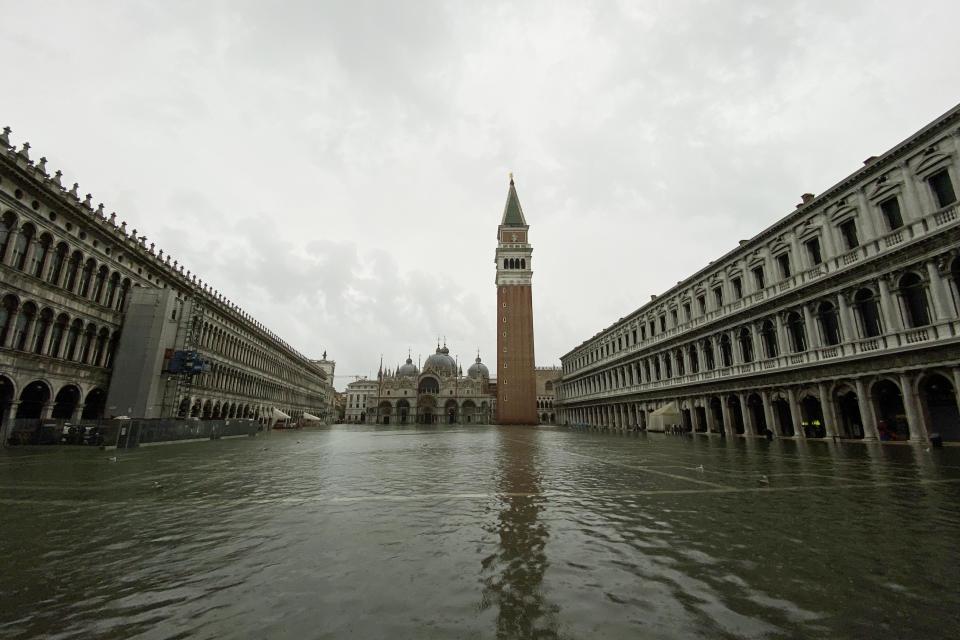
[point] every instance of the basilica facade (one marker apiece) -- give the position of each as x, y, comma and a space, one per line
439, 393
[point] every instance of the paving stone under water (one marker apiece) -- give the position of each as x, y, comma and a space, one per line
480, 532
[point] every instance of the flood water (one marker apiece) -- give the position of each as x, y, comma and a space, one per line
483, 532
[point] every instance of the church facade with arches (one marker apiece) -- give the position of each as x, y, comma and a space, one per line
437, 393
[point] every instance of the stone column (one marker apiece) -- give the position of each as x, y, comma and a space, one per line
888, 308
46, 411
868, 231
795, 415
829, 247
829, 414
735, 355
708, 411
77, 412
7, 257
748, 427
768, 412
942, 308
727, 422
913, 208
28, 259
9, 415
867, 415
783, 341
846, 320
758, 352
31, 331
813, 331
918, 428
12, 324
687, 369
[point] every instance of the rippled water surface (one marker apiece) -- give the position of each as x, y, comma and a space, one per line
480, 532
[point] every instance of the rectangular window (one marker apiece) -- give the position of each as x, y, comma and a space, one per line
737, 288
653, 328
718, 296
783, 261
702, 304
849, 232
891, 212
634, 336
643, 333
813, 250
673, 317
663, 323
942, 188
686, 311
758, 278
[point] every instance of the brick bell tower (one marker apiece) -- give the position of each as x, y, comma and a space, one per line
516, 379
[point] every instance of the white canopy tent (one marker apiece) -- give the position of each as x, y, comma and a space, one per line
311, 417
280, 415
665, 417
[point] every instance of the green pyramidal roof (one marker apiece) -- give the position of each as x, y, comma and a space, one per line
513, 213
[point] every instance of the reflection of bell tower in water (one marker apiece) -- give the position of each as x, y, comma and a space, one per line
516, 380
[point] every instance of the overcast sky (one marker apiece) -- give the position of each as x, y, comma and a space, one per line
339, 168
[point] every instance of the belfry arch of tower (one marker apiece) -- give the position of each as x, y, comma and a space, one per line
516, 377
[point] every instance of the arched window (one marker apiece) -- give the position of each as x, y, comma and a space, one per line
28, 313
57, 334
694, 359
827, 314
708, 358
43, 327
99, 283
73, 340
506, 263
768, 334
7, 309
868, 312
124, 290
726, 353
73, 270
7, 224
523, 263
86, 278
798, 334
668, 365
20, 245
112, 285
40, 255
914, 300
746, 344
59, 259
678, 356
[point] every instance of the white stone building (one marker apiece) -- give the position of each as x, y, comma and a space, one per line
841, 319
358, 394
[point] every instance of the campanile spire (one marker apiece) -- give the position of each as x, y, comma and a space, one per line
516, 379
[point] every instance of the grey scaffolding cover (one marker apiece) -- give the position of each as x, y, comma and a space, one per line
665, 416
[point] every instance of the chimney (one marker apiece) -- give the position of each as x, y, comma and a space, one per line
806, 198
870, 160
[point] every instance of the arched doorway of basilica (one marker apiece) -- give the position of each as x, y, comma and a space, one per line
383, 412
426, 409
450, 411
468, 412
403, 412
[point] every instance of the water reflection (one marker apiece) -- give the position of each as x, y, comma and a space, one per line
513, 575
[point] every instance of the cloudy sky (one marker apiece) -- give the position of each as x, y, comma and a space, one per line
339, 168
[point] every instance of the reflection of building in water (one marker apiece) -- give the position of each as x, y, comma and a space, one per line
439, 394
514, 574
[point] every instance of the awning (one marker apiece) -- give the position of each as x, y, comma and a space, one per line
310, 416
280, 415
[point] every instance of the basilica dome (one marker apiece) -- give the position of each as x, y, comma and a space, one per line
407, 368
478, 369
441, 362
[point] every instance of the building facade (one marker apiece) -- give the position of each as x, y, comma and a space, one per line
439, 394
329, 367
358, 395
548, 379
839, 320
516, 381
69, 272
